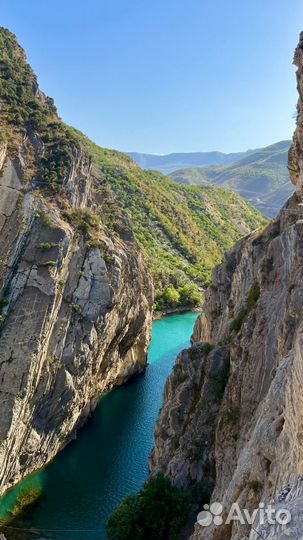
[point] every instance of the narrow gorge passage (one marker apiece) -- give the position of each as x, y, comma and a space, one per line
109, 459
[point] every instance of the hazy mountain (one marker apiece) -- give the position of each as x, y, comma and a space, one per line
170, 162
261, 177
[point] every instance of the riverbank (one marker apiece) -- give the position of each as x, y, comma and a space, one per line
158, 315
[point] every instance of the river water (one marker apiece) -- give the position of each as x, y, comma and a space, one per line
109, 459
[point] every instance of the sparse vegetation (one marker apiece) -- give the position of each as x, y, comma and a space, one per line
23, 112
195, 451
47, 221
267, 266
3, 302
251, 304
179, 373
83, 219
254, 485
47, 245
50, 263
76, 308
230, 416
207, 348
25, 500
220, 381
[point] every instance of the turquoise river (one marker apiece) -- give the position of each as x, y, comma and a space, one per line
109, 458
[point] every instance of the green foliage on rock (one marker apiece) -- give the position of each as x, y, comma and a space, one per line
158, 512
26, 111
220, 380
251, 304
83, 219
182, 230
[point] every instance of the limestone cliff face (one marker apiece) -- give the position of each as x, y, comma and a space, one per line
192, 400
254, 427
295, 161
75, 293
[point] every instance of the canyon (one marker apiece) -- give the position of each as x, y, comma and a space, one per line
84, 236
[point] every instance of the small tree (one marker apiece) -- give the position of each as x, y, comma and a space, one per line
158, 512
171, 296
190, 295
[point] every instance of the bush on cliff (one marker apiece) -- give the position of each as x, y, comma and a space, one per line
189, 295
158, 512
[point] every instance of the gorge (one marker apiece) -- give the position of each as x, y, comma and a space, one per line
84, 484
84, 236
89, 245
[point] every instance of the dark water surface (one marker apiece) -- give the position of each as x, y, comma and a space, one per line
109, 459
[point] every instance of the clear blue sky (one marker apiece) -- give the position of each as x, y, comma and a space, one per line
165, 75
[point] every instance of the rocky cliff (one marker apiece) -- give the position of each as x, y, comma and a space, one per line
232, 423
75, 293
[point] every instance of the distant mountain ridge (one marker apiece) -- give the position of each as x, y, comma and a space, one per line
261, 177
167, 163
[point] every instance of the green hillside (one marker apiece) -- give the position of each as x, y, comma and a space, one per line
183, 230
262, 178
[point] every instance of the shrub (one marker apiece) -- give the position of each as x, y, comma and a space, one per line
207, 348
220, 381
253, 297
275, 231
3, 302
158, 512
47, 245
180, 375
25, 500
190, 295
251, 304
169, 298
195, 451
239, 320
267, 266
76, 308
254, 485
83, 219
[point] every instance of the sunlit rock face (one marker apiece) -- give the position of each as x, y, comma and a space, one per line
239, 433
75, 293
